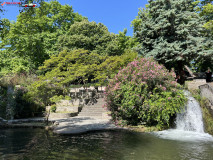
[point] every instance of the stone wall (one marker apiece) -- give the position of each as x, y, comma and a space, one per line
206, 91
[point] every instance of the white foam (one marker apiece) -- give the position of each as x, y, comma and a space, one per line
180, 135
189, 124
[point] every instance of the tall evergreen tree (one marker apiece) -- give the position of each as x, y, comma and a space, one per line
171, 32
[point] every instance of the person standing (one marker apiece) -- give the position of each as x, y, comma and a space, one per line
208, 75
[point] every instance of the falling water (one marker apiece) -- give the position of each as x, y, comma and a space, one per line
191, 119
189, 124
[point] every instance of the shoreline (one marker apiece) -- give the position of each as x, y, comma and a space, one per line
94, 125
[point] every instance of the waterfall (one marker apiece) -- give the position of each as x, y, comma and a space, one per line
189, 124
191, 118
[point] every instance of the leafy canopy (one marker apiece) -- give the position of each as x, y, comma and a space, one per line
171, 32
73, 68
94, 37
36, 31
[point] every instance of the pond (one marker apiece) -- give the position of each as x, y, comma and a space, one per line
110, 145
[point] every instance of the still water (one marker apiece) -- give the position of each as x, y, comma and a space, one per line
39, 144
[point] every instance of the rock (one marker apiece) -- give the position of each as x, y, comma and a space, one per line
2, 121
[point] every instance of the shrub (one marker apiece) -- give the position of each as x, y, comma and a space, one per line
40, 92
24, 108
53, 108
144, 91
56, 98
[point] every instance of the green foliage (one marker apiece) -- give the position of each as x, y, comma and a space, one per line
204, 2
31, 38
81, 66
24, 108
110, 67
56, 98
172, 33
95, 38
208, 119
144, 91
53, 108
19, 107
73, 68
207, 13
3, 100
20, 79
40, 93
69, 67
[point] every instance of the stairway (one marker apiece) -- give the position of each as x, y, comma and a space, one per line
95, 111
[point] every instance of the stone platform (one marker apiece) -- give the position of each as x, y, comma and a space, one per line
77, 125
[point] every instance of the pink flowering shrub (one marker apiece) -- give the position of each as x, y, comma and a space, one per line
144, 92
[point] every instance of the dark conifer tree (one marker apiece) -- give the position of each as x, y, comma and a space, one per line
171, 32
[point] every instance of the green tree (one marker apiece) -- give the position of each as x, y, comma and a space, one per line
207, 13
70, 67
204, 2
171, 32
36, 30
94, 37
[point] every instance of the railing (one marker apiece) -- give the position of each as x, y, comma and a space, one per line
86, 96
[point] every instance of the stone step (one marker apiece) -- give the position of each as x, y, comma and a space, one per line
85, 114
93, 110
90, 113
99, 117
98, 112
100, 107
95, 106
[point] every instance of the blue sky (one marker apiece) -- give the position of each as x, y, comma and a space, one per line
115, 14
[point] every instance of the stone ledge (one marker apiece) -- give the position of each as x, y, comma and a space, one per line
79, 125
62, 115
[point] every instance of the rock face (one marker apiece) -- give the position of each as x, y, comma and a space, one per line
195, 83
206, 91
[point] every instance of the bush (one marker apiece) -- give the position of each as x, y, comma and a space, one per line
144, 92
56, 98
24, 108
53, 108
14, 105
40, 92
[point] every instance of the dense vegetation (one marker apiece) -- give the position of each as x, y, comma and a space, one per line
73, 68
51, 48
172, 32
144, 92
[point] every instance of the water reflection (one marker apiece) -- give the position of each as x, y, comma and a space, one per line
40, 144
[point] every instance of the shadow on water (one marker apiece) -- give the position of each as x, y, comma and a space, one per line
187, 141
110, 145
